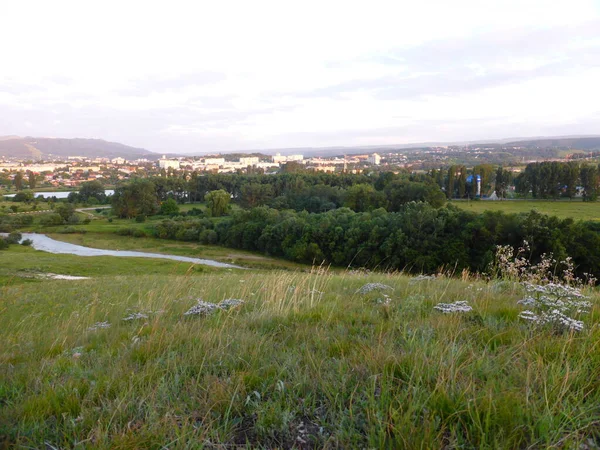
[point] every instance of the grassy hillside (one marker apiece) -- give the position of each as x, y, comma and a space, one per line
305, 362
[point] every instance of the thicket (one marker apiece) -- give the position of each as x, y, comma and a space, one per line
417, 238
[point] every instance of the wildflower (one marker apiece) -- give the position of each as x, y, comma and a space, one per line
99, 325
135, 316
553, 304
459, 306
370, 287
202, 308
230, 303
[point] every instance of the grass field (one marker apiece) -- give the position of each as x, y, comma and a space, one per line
563, 209
305, 362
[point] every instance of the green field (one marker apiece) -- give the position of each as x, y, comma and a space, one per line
306, 362
563, 209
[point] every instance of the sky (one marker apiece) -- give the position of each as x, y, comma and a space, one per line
213, 76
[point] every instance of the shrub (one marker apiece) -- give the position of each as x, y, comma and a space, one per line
27, 242
14, 237
110, 220
86, 220
49, 220
139, 233
209, 237
68, 230
3, 244
127, 231
73, 219
140, 218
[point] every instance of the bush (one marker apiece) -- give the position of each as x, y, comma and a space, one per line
139, 233
73, 219
70, 230
110, 220
128, 231
14, 237
5, 228
86, 220
3, 244
49, 220
209, 237
27, 242
140, 218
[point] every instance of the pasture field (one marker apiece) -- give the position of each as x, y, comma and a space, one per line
575, 209
305, 362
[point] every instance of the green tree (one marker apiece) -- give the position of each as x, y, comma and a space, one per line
502, 180
91, 189
217, 202
169, 207
32, 180
135, 198
65, 210
18, 181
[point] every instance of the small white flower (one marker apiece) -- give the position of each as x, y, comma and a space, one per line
459, 306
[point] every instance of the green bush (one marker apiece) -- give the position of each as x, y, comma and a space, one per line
14, 237
139, 233
27, 242
140, 218
49, 220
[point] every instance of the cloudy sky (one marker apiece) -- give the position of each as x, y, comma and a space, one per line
202, 76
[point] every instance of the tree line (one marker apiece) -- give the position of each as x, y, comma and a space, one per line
555, 179
296, 191
417, 238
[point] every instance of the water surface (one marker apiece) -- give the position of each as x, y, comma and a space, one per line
46, 244
58, 194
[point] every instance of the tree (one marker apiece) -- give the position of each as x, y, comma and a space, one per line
217, 202
91, 189
134, 199
502, 180
169, 207
450, 186
18, 181
32, 180
65, 210
462, 182
363, 197
589, 181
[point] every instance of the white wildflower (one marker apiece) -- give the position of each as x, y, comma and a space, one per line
370, 287
135, 316
459, 306
230, 303
202, 308
99, 325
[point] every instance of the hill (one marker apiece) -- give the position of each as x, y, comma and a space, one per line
47, 148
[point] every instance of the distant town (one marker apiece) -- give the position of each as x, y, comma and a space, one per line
70, 171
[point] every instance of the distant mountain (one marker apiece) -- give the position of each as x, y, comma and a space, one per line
46, 148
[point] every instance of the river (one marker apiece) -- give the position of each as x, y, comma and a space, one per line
46, 244
58, 194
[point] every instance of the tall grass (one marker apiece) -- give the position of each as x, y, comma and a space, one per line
305, 362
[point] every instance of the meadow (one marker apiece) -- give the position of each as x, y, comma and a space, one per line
305, 362
575, 209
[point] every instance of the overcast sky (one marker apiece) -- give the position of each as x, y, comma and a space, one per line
203, 76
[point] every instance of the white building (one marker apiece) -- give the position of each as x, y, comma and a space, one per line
217, 161
279, 159
118, 160
165, 163
249, 160
374, 159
